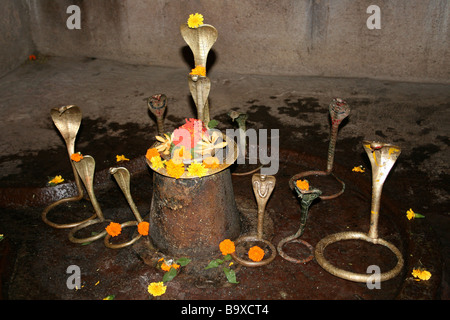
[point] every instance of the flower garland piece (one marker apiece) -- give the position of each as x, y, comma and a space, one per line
77, 157
256, 253
195, 20
114, 229
143, 228
157, 288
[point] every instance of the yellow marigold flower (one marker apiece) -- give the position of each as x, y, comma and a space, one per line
174, 170
143, 228
114, 229
121, 158
76, 157
157, 162
195, 20
156, 288
227, 246
56, 180
197, 169
410, 214
359, 169
256, 253
211, 162
421, 274
302, 184
199, 71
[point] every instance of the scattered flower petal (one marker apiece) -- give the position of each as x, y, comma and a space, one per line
121, 158
410, 214
359, 169
56, 180
421, 274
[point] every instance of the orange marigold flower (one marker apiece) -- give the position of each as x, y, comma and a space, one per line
143, 227
302, 184
227, 247
76, 157
152, 152
114, 229
256, 253
174, 170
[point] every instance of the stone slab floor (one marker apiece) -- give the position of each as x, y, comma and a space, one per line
112, 97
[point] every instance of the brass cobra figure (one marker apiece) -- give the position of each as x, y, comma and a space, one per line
157, 105
263, 186
338, 110
382, 158
307, 197
200, 40
85, 168
122, 176
68, 120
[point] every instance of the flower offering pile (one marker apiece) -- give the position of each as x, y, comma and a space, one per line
193, 150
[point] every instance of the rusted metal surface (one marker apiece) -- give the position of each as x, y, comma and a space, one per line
192, 216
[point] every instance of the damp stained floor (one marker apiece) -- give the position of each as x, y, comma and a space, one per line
112, 97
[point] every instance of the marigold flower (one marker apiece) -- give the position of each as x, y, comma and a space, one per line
156, 288
166, 266
77, 157
359, 169
197, 169
174, 170
227, 246
195, 20
410, 214
421, 274
199, 71
152, 152
56, 180
256, 253
302, 184
211, 162
157, 162
143, 227
121, 158
114, 229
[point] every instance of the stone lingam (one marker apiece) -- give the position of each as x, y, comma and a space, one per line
193, 206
